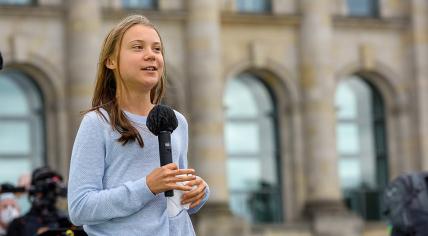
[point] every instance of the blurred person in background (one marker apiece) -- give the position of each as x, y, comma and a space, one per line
9, 210
45, 188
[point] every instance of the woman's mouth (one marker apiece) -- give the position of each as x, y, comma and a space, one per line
149, 68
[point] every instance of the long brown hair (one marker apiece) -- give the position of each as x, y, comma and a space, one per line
109, 86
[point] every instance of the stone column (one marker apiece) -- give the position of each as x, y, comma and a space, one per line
83, 48
324, 201
206, 96
419, 54
206, 121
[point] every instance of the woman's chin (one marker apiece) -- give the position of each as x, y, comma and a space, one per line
150, 83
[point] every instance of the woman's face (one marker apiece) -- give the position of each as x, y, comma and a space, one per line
141, 61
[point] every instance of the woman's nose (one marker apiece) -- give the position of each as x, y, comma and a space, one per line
149, 55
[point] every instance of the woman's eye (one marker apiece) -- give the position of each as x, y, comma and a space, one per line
157, 49
137, 47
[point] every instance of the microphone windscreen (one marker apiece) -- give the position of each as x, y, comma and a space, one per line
161, 118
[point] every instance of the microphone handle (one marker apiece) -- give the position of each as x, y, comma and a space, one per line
1, 61
165, 155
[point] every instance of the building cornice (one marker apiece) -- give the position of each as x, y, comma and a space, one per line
259, 19
153, 15
365, 23
294, 20
291, 20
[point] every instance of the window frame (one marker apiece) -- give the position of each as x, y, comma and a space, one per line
276, 191
358, 199
37, 155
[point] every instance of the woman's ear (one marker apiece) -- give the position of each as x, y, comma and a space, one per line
111, 64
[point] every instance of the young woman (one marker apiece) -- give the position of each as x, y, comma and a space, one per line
115, 184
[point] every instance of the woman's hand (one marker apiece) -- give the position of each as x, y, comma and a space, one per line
196, 195
165, 178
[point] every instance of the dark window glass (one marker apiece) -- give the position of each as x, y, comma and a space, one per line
361, 144
363, 7
17, 2
251, 145
255, 6
145, 4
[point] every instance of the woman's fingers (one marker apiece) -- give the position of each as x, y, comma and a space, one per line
185, 172
197, 181
182, 178
195, 203
197, 197
192, 194
182, 187
170, 166
166, 178
170, 170
196, 193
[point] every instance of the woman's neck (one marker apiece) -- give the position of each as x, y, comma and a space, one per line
137, 103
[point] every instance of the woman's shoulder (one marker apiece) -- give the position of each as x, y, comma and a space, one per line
180, 118
182, 123
96, 118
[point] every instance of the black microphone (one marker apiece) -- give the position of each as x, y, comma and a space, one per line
162, 121
1, 61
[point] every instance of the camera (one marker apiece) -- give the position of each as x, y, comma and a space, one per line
47, 182
46, 186
10, 188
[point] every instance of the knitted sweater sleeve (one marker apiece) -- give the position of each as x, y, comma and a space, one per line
183, 160
88, 202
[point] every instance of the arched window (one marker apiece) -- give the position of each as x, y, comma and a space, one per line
361, 144
251, 145
22, 132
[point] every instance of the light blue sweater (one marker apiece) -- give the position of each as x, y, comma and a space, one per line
107, 190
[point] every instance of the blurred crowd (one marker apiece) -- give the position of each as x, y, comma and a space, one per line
43, 190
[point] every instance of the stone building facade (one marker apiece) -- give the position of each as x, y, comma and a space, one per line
324, 174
